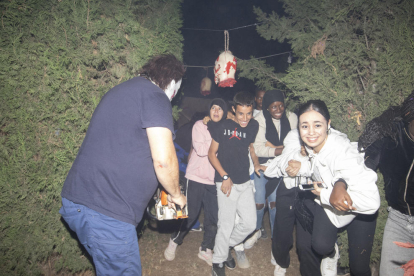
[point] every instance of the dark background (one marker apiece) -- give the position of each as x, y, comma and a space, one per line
201, 48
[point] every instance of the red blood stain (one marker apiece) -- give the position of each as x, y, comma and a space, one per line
229, 65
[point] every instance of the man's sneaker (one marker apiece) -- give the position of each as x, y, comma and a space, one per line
253, 239
264, 233
272, 258
206, 256
218, 270
197, 229
169, 253
230, 262
328, 265
242, 260
279, 271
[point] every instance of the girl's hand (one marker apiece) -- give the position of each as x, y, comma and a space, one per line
317, 190
293, 168
340, 198
206, 120
270, 145
258, 168
226, 186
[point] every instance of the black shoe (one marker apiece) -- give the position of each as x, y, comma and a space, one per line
264, 233
230, 262
218, 270
343, 271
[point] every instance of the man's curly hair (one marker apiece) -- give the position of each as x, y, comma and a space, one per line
162, 70
384, 125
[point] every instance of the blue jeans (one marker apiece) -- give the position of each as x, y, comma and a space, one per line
113, 244
260, 198
399, 228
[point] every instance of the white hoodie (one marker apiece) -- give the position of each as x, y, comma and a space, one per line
338, 158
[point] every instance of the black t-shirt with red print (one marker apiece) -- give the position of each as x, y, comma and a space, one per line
233, 151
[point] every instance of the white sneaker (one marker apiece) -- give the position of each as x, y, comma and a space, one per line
253, 239
279, 271
242, 260
169, 252
206, 256
272, 259
328, 265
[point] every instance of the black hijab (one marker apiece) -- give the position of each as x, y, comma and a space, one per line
222, 104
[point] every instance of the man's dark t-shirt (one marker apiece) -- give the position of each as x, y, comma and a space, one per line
233, 151
113, 172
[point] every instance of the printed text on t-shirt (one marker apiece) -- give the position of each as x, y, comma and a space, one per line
234, 133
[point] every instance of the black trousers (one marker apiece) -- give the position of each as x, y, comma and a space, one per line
311, 248
200, 195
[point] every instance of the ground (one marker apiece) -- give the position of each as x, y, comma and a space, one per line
155, 239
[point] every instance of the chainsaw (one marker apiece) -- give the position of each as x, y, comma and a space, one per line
161, 211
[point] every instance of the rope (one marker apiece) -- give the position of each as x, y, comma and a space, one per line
213, 30
226, 40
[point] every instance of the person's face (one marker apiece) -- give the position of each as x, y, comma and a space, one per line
276, 109
313, 129
172, 89
259, 99
216, 113
243, 114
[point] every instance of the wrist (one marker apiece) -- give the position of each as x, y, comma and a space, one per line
225, 177
342, 183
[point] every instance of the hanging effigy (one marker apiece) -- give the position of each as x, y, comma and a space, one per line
225, 66
205, 88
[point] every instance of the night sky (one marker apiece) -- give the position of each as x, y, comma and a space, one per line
203, 47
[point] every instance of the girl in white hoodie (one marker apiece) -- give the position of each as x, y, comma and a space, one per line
348, 188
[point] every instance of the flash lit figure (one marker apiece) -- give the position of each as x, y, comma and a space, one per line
225, 69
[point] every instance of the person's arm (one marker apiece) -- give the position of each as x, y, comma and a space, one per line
165, 162
200, 142
227, 184
351, 178
255, 159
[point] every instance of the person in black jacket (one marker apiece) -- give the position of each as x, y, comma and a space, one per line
388, 142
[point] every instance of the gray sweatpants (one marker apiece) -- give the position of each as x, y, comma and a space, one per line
240, 201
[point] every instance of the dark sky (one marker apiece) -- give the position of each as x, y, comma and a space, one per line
203, 47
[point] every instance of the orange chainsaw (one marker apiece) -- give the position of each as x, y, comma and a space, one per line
162, 211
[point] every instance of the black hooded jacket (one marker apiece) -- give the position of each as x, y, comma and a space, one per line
395, 161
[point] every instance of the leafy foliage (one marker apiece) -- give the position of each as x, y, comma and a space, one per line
357, 56
57, 59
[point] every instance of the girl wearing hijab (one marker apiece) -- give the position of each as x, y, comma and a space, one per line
201, 187
274, 125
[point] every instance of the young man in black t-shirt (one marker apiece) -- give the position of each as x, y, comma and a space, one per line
229, 155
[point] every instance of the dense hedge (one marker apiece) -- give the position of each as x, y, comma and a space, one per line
57, 59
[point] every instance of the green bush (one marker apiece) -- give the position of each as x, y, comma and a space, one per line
57, 59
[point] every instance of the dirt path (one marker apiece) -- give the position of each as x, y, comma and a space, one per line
153, 243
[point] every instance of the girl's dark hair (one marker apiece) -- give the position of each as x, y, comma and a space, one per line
163, 69
317, 105
385, 124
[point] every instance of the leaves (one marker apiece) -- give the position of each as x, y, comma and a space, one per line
57, 59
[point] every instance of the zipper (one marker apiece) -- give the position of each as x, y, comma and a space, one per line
406, 187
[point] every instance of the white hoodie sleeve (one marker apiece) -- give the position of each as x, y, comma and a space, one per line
348, 164
277, 166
